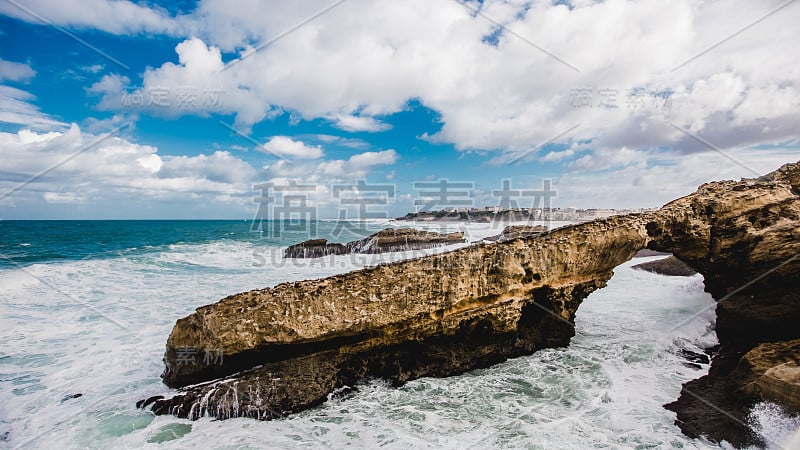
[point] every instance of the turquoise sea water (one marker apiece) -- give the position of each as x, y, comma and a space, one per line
86, 307
32, 241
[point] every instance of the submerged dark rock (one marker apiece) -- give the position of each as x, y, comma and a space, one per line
288, 347
670, 266
695, 357
388, 240
71, 396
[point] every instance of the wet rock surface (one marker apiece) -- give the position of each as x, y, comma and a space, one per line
694, 359
286, 348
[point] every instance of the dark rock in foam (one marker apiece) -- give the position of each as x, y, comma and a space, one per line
670, 266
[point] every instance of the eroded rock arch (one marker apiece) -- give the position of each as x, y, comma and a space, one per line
287, 347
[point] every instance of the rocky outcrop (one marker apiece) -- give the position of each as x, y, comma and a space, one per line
314, 248
286, 348
670, 266
403, 239
388, 240
771, 372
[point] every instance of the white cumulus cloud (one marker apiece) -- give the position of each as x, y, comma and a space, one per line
358, 123
76, 167
286, 146
112, 16
14, 71
365, 60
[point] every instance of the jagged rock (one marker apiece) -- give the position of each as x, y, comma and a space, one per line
670, 266
287, 347
314, 248
144, 403
694, 357
517, 231
402, 239
388, 240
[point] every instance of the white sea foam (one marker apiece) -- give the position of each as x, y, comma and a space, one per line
778, 429
102, 334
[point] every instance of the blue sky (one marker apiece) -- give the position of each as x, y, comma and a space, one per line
118, 109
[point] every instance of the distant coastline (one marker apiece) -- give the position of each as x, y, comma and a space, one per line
493, 214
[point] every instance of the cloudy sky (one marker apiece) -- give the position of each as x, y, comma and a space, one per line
151, 109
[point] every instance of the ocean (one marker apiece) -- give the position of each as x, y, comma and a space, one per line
86, 308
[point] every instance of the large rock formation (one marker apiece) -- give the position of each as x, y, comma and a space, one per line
388, 240
432, 316
744, 237
283, 349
